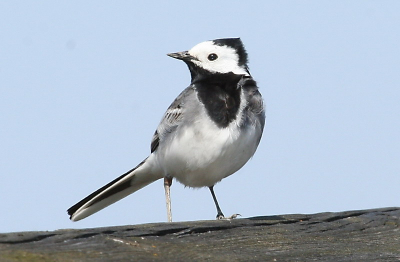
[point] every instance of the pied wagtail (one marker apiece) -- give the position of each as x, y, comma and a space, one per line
208, 133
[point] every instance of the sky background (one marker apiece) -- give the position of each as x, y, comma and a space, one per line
84, 84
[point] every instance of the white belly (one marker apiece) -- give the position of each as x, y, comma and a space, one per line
204, 154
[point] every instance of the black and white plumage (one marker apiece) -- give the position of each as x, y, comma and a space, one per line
208, 133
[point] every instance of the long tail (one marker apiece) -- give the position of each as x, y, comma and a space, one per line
133, 180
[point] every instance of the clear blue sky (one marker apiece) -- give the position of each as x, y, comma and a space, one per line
83, 85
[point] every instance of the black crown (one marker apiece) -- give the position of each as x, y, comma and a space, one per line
236, 44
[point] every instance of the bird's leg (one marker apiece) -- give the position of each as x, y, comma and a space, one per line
220, 215
167, 186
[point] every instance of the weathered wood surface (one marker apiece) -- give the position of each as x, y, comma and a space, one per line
364, 235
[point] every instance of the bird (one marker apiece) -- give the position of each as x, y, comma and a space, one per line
209, 131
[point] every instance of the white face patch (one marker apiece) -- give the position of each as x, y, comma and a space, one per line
227, 60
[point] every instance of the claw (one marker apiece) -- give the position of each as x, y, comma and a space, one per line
228, 218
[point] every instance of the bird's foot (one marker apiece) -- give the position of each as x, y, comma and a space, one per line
221, 217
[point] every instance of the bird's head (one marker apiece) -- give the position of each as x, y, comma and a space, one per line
218, 56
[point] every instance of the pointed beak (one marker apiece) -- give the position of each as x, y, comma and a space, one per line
185, 56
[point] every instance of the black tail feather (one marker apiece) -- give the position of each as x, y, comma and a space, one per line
116, 189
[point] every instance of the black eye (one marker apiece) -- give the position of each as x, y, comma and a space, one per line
212, 57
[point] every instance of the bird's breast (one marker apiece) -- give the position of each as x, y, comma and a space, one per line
201, 154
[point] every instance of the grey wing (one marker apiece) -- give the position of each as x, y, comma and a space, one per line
256, 105
172, 118
255, 111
